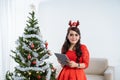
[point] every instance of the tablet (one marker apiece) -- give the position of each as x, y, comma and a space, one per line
62, 58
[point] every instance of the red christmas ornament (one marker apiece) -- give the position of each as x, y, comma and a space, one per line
32, 45
38, 76
34, 62
29, 56
46, 45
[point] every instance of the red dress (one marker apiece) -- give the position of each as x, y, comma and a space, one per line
68, 73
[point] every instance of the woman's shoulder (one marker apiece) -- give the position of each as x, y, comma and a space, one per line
83, 46
84, 49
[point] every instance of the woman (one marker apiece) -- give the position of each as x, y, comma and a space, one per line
76, 52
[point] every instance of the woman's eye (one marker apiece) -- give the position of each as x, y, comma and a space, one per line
76, 34
71, 34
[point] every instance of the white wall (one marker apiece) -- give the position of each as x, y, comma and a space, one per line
100, 26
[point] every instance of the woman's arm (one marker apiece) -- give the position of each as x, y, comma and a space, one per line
85, 59
76, 65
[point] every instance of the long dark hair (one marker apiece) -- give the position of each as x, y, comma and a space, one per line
66, 44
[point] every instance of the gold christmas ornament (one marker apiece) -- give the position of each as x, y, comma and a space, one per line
29, 73
37, 72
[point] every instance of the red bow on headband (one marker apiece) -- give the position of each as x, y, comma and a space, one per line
73, 24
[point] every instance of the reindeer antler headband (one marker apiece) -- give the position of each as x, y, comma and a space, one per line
73, 24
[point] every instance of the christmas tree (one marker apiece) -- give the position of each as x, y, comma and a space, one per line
31, 54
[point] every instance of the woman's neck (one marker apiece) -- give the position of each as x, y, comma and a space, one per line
72, 47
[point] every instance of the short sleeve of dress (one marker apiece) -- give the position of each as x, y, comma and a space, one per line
85, 55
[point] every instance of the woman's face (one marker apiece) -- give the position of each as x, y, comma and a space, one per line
73, 37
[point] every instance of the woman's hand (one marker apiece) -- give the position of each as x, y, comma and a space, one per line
72, 64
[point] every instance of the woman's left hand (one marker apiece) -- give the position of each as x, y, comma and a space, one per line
72, 64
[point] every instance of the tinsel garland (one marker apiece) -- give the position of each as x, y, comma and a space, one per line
28, 49
45, 67
19, 54
31, 29
32, 36
45, 57
38, 62
42, 44
17, 77
35, 54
